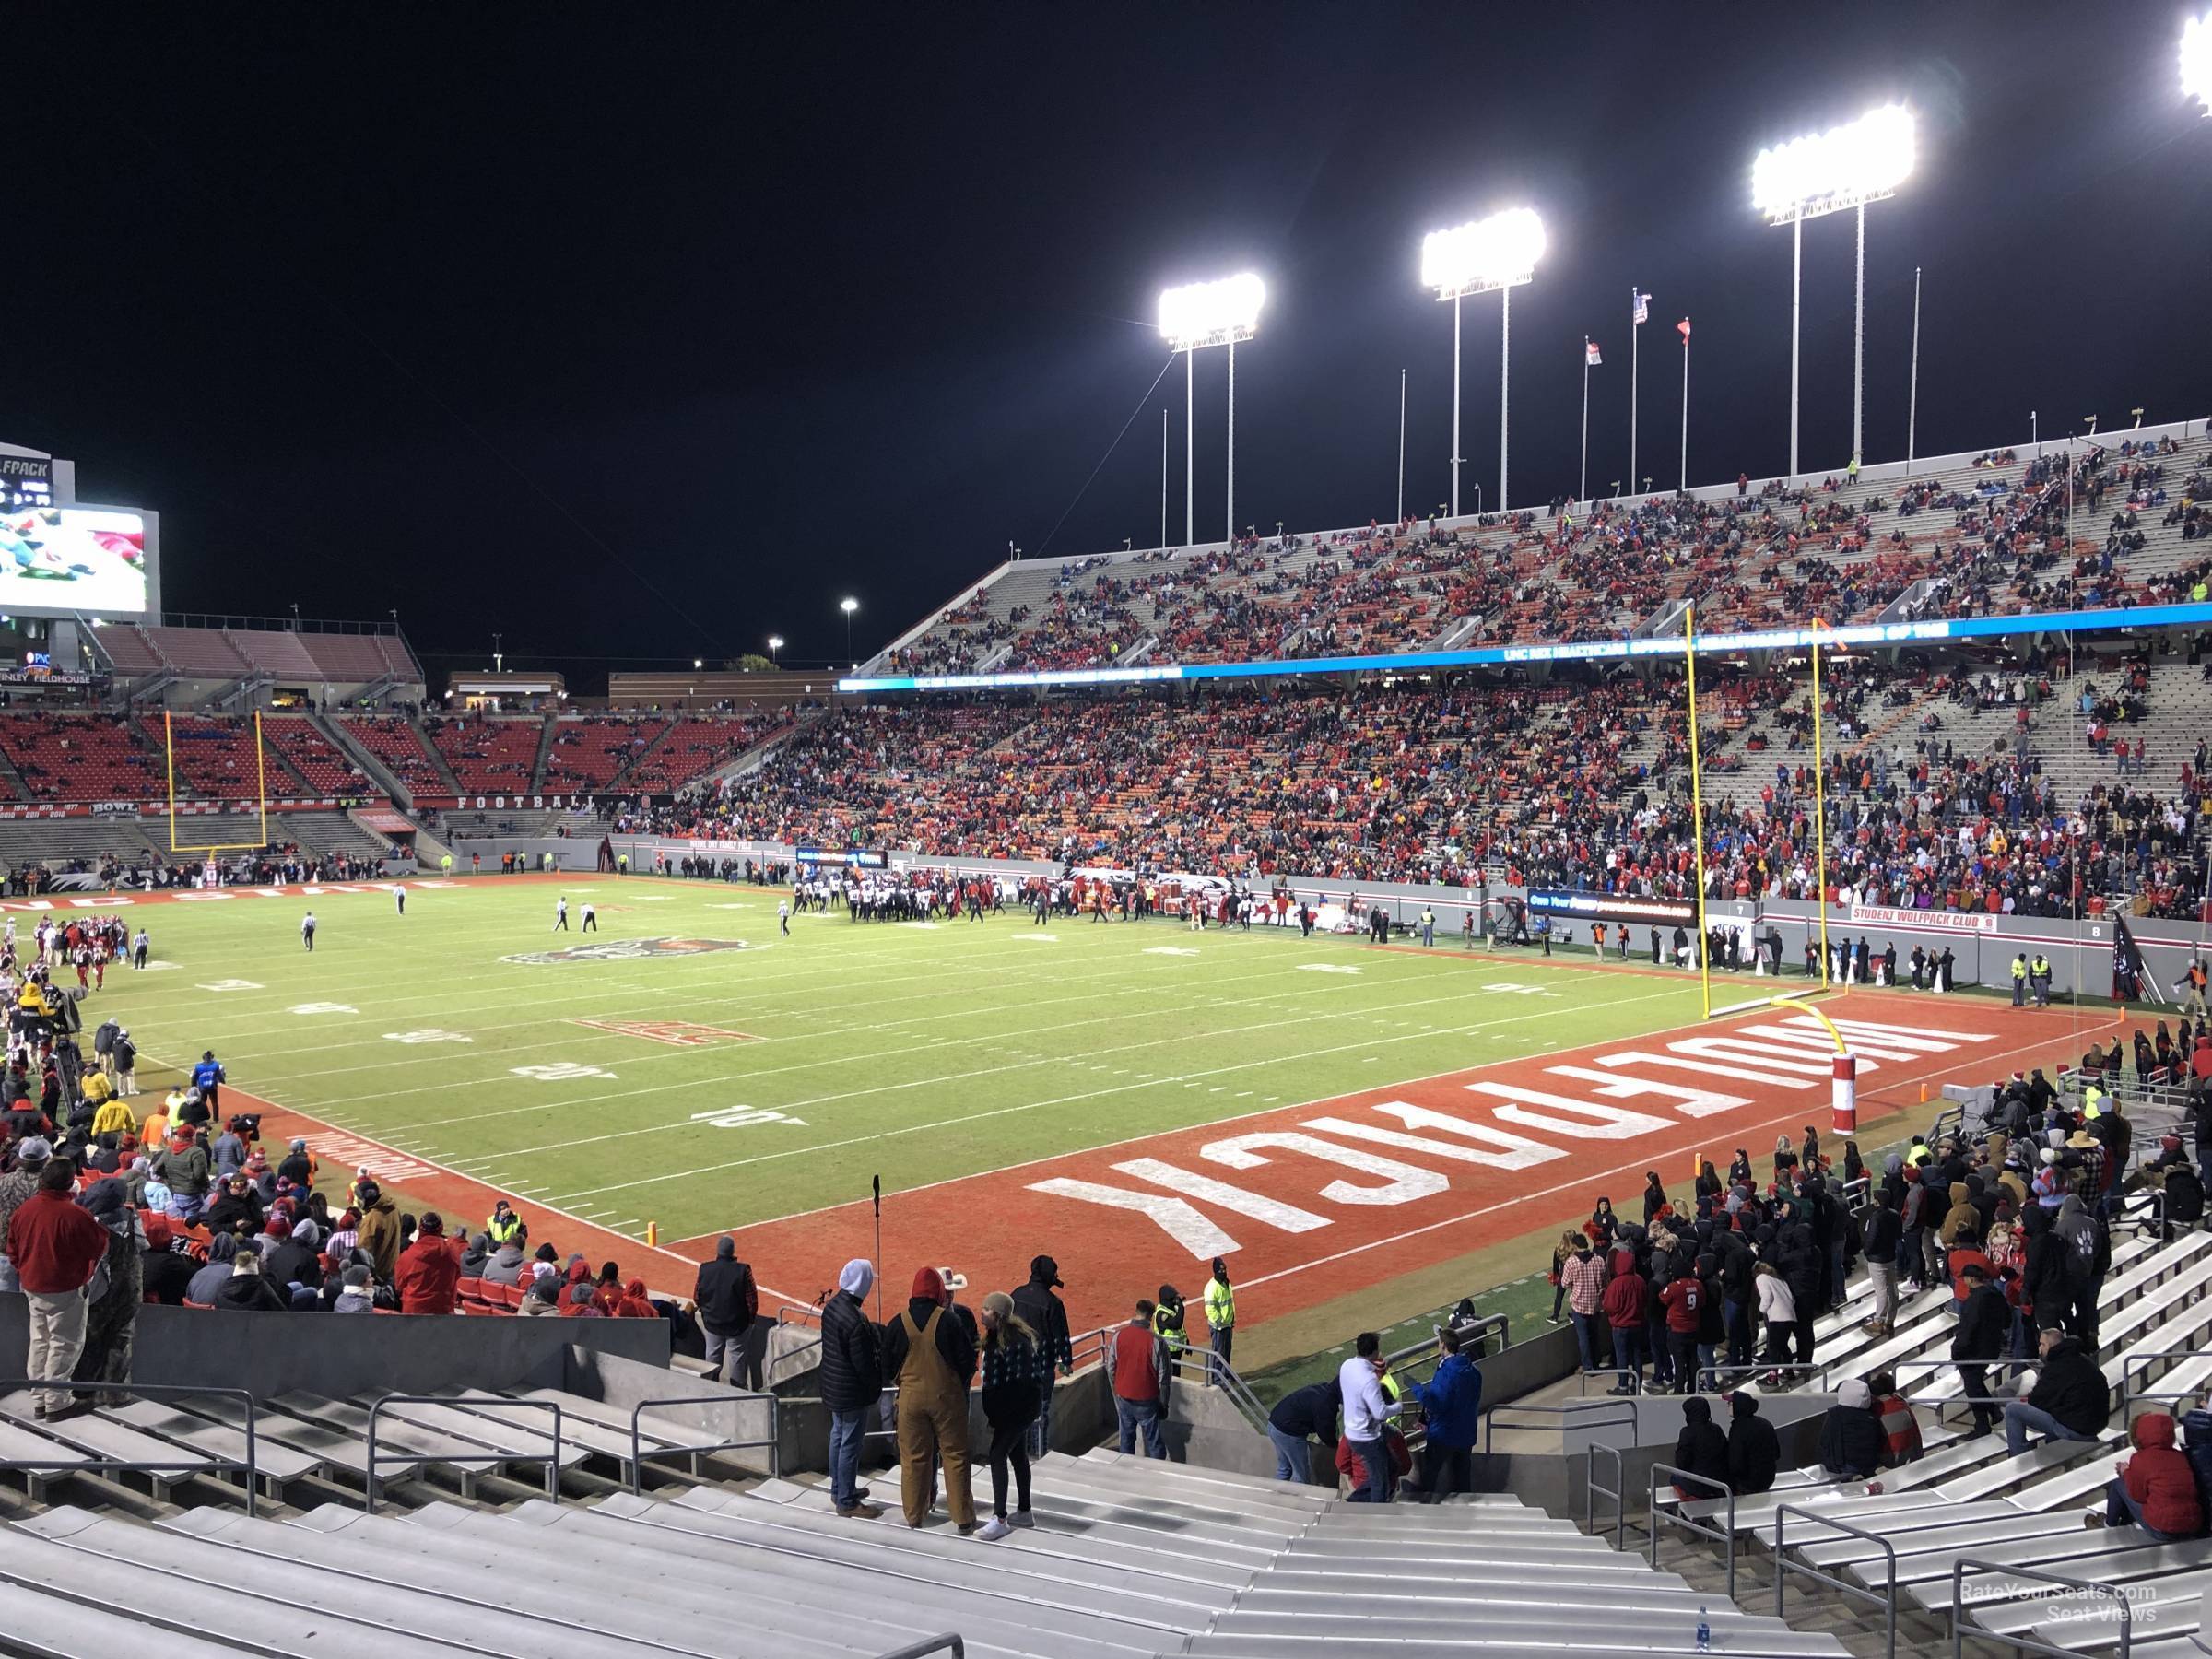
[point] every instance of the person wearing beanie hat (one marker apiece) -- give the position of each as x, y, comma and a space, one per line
1851, 1435
379, 1231
580, 1304
429, 1275
929, 1352
850, 1383
728, 1305
357, 1296
1013, 1377
1041, 1310
168, 1268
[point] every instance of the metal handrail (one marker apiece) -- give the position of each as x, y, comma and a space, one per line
1675, 1518
1592, 1491
2022, 1640
1783, 1566
1597, 1415
950, 1642
791, 1313
1214, 1371
1582, 1383
249, 1466
1939, 1402
637, 1454
373, 1486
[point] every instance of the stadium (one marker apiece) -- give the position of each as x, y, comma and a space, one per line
1667, 1024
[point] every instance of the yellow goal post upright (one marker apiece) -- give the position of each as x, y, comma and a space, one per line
261, 790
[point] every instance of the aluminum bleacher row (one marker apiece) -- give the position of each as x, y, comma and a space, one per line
1127, 1557
1999, 1523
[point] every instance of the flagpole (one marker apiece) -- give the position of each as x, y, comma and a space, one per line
1583, 492
1401, 446
1505, 358
1685, 484
1913, 395
1635, 333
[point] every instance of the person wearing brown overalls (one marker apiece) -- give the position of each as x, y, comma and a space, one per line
929, 1351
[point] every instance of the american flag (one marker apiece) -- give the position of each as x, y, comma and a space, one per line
1640, 306
1683, 329
1590, 352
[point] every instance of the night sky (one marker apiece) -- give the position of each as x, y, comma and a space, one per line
638, 332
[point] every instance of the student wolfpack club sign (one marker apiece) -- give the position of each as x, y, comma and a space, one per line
1311, 1202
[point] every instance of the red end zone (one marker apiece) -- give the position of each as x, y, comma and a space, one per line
1311, 1202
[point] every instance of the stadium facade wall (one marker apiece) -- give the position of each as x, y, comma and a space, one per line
1982, 945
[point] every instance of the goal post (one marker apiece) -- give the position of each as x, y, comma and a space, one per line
1697, 807
261, 790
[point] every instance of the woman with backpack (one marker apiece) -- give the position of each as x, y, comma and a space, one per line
1014, 1379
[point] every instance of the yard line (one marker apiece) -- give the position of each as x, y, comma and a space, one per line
859, 1140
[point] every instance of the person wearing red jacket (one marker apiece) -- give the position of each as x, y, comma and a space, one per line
429, 1275
56, 1248
2156, 1488
1622, 1305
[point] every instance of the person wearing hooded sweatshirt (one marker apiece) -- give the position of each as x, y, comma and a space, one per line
2088, 1251
295, 1258
248, 1290
1042, 1311
1913, 1221
2156, 1488
506, 1264
1451, 1403
475, 1255
850, 1383
930, 1353
1850, 1436
2070, 1400
429, 1275
1701, 1449
1754, 1449
379, 1230
541, 1300
1623, 1307
166, 1269
1880, 1239
112, 1321
1220, 1317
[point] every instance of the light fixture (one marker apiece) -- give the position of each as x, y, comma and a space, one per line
1500, 252
1191, 318
2196, 60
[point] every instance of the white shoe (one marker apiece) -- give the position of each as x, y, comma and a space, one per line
992, 1531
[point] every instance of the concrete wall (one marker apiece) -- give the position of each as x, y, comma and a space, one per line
272, 1353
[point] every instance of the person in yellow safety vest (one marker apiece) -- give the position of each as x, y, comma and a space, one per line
2019, 980
1917, 1153
1221, 1314
621, 863
2193, 985
1169, 1322
2039, 979
503, 1223
2092, 1100
446, 864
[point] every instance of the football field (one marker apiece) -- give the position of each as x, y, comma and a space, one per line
1131, 1099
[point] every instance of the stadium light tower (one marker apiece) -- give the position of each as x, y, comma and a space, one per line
1844, 167
848, 606
775, 644
1500, 252
1192, 318
2196, 60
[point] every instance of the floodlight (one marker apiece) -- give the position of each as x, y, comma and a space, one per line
1212, 314
2196, 60
848, 605
1498, 252
1864, 161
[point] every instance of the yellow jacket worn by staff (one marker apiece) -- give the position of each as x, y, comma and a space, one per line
114, 1117
1220, 1305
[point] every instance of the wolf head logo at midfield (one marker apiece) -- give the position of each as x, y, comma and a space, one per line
627, 950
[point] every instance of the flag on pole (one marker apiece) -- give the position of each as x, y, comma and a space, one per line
1640, 306
1682, 328
1590, 355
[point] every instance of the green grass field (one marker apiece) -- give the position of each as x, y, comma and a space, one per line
930, 1051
